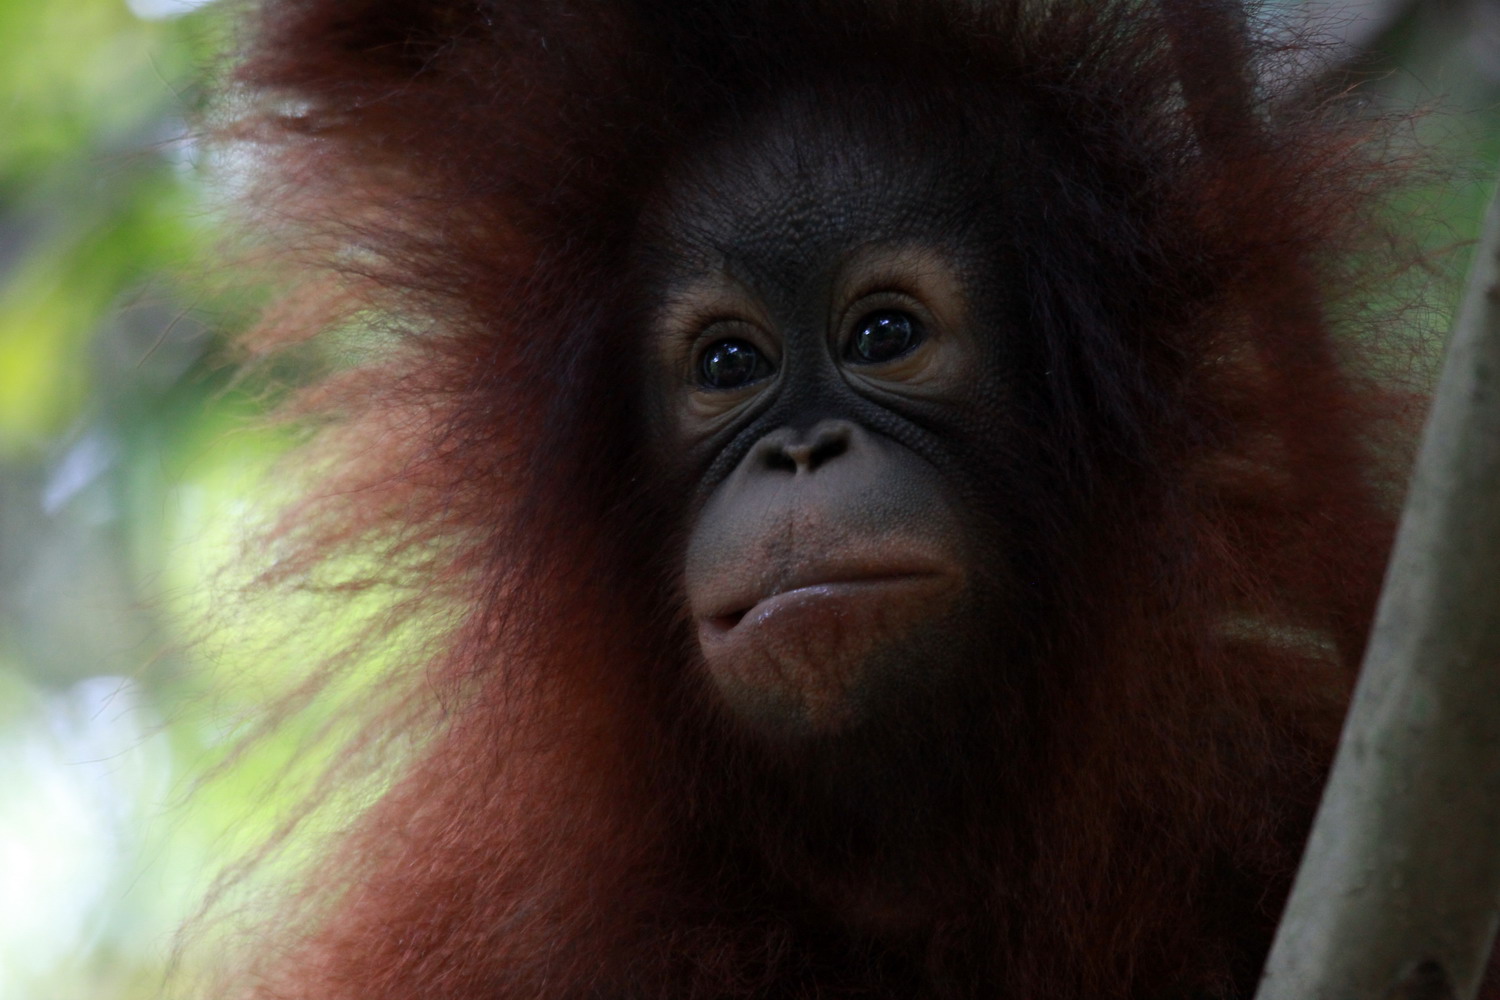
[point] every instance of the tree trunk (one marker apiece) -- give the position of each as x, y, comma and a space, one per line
1398, 895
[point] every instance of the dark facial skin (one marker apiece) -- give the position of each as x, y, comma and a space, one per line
826, 361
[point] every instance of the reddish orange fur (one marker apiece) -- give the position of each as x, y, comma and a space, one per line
568, 827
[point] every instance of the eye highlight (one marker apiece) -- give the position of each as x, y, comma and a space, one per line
884, 336
730, 364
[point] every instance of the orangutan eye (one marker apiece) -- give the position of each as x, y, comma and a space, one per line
885, 336
729, 364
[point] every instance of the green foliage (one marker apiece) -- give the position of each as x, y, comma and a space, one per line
97, 191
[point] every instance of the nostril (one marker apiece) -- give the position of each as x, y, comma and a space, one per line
829, 445
782, 459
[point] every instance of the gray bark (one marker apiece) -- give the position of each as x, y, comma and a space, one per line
1398, 895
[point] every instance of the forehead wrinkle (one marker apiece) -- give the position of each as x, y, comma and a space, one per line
776, 205
779, 181
808, 225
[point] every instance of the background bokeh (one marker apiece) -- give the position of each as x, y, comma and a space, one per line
129, 466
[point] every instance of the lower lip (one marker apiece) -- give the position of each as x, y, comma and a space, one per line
838, 613
836, 592
804, 654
